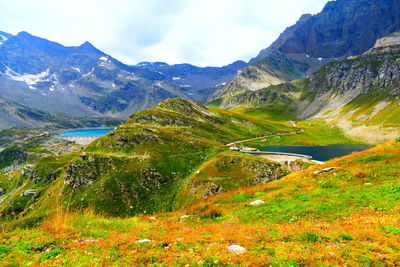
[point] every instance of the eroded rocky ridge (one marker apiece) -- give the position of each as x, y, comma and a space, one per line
343, 28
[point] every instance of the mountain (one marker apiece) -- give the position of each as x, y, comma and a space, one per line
84, 81
343, 28
197, 82
126, 172
326, 215
360, 94
16, 115
274, 69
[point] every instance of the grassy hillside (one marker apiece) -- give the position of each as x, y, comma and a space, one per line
347, 216
226, 172
141, 166
360, 95
309, 132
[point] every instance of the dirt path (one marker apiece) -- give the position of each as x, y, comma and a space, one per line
261, 137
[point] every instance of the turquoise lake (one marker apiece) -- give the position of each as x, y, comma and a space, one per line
87, 132
320, 153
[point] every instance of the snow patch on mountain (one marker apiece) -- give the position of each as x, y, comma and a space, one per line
29, 79
221, 84
89, 73
3, 39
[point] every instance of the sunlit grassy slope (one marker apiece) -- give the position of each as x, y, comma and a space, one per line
309, 132
347, 216
150, 164
141, 166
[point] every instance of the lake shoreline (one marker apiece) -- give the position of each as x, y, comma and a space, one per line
86, 132
321, 152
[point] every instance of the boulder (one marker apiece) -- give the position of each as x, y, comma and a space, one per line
143, 241
257, 202
236, 249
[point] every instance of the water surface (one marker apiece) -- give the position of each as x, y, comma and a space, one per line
320, 153
87, 132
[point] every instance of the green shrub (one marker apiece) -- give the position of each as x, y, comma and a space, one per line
4, 249
346, 237
51, 254
391, 230
210, 214
311, 237
373, 158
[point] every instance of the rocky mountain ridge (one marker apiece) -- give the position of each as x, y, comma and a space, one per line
360, 94
343, 28
84, 81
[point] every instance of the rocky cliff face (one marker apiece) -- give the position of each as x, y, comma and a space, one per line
343, 28
360, 94
374, 73
391, 39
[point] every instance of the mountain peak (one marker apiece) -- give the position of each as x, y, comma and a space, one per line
184, 106
88, 46
24, 33
152, 64
304, 17
339, 30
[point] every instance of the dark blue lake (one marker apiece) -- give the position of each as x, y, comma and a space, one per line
87, 132
320, 153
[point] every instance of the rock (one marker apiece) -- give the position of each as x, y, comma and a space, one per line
153, 218
338, 31
393, 39
30, 192
143, 241
212, 190
257, 202
324, 170
341, 28
236, 249
185, 216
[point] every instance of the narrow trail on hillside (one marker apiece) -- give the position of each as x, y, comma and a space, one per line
264, 136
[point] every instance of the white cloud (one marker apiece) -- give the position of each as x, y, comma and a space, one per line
202, 32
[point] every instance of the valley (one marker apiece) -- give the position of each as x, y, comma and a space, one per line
289, 159
337, 215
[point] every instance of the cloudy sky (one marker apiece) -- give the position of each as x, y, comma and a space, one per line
201, 32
